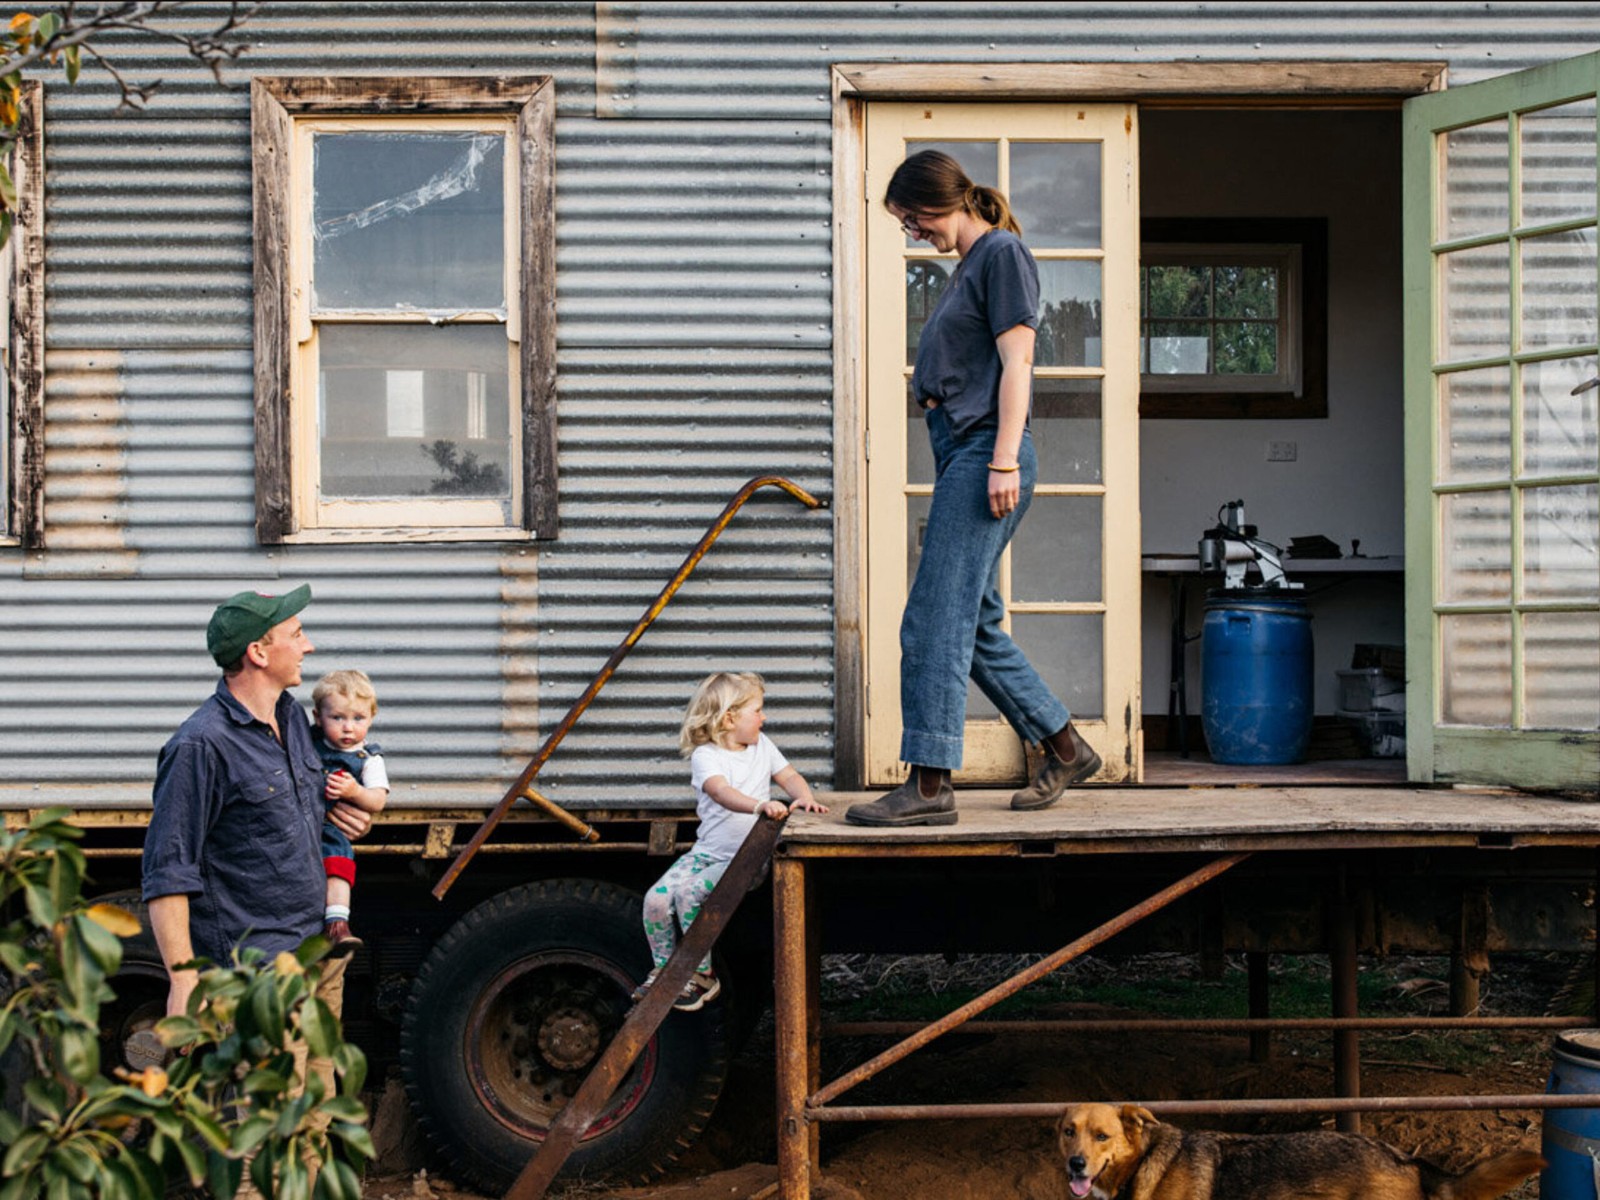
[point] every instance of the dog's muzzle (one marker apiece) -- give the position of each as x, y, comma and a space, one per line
1079, 1181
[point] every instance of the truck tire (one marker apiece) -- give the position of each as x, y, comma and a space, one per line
510, 1011
139, 986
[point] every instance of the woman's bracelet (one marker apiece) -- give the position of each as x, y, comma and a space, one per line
1005, 470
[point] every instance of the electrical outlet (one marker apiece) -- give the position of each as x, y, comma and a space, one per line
1282, 452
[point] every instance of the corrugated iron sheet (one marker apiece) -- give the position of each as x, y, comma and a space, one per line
693, 227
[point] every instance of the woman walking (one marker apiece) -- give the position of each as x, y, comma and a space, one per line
974, 381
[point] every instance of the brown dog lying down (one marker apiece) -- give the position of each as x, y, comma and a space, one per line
1110, 1152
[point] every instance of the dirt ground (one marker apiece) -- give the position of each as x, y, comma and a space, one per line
968, 1160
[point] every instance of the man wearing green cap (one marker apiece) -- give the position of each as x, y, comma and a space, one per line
232, 855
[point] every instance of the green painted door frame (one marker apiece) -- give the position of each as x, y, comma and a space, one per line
1502, 594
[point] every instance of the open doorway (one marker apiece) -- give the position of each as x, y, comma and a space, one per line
1331, 469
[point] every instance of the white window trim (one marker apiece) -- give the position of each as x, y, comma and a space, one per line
1286, 258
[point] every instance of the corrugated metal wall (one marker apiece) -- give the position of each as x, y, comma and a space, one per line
693, 165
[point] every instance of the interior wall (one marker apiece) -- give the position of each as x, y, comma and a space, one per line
1346, 480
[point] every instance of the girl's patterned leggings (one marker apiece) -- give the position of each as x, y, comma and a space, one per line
674, 901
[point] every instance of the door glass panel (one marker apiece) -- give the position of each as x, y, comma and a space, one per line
1056, 551
1561, 670
1475, 297
916, 526
1558, 289
1067, 649
1558, 163
1475, 418
414, 410
1560, 432
1476, 185
409, 221
1066, 429
1476, 659
926, 279
978, 706
1069, 318
1055, 193
1561, 543
980, 160
919, 453
1475, 528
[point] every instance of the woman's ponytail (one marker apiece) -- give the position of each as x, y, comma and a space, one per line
991, 208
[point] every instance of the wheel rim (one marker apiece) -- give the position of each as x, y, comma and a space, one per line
536, 1031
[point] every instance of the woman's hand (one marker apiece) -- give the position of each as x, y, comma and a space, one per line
1005, 491
1015, 347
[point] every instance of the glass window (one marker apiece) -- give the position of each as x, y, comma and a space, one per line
1232, 318
419, 283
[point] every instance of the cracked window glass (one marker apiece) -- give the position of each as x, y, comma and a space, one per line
410, 221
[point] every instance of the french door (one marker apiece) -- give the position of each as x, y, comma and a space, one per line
1502, 441
1071, 580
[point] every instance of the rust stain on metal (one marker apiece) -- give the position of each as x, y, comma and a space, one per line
519, 652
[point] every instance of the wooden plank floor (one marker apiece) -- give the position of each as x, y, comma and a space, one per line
1118, 819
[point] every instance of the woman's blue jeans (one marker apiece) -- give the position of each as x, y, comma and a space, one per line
951, 628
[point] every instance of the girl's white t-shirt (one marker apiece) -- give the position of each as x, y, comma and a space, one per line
750, 770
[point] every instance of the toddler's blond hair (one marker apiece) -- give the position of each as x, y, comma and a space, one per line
351, 684
718, 695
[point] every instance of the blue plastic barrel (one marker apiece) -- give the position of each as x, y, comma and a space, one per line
1572, 1135
1256, 681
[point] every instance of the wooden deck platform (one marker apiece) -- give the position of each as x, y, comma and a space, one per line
1110, 820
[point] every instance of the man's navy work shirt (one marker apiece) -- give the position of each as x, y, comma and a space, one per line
237, 828
995, 288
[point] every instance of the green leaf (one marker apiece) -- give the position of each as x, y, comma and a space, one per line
351, 1064
211, 1131
294, 1180
10, 1128
40, 907
117, 1182
338, 1181
345, 1108
356, 1137
49, 24
66, 880
46, 1095
320, 1026
178, 1031
103, 945
58, 1187
75, 1162
261, 1170
250, 1133
194, 1161
273, 1082
266, 1009
223, 1175
74, 63
152, 1181
24, 1152
80, 1054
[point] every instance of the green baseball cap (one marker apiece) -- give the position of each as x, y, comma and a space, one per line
246, 617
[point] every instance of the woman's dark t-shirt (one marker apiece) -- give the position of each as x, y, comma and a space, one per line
995, 288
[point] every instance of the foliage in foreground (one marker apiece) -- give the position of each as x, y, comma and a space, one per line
227, 1098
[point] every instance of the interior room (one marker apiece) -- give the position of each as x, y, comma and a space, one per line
1328, 473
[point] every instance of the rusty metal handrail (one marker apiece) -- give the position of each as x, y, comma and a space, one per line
1023, 978
1212, 1025
1051, 1109
521, 789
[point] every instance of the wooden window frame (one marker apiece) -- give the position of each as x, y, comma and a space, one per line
277, 102
22, 405
1309, 399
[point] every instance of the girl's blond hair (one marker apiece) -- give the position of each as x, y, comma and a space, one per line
718, 695
351, 684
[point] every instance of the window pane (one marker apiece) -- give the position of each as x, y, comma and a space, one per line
1179, 291
1066, 429
1561, 543
1561, 671
1055, 555
1476, 659
1476, 532
1179, 347
1558, 289
919, 454
409, 220
1558, 163
1068, 651
1475, 433
415, 410
925, 283
1247, 292
1055, 192
1475, 294
1069, 318
1560, 433
1477, 180
1247, 348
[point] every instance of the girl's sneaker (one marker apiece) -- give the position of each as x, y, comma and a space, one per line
702, 988
640, 992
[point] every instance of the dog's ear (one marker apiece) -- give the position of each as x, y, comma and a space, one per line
1135, 1120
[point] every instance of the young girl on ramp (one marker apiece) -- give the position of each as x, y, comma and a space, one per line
733, 766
